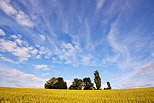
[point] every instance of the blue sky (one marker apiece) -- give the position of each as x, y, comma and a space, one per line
40, 39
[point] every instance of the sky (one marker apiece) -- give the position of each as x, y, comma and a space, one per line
41, 39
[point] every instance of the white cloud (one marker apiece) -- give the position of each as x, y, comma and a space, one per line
2, 33
7, 59
18, 39
18, 48
44, 51
10, 46
123, 56
16, 78
72, 53
14, 36
139, 83
38, 56
20, 16
141, 76
145, 69
41, 67
42, 37
45, 74
99, 5
67, 52
110, 59
87, 59
7, 8
23, 19
112, 39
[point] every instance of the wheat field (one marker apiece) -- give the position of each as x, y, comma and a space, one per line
29, 95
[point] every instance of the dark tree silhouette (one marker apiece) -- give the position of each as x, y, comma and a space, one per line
56, 83
97, 80
87, 84
108, 86
76, 84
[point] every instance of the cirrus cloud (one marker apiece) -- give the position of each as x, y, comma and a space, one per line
18, 15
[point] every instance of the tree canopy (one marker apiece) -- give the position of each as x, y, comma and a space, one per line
76, 84
55, 83
87, 85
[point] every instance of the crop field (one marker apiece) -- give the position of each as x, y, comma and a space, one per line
28, 95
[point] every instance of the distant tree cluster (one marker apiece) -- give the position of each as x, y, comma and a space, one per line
77, 84
56, 83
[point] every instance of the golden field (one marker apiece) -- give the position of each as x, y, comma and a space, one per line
29, 95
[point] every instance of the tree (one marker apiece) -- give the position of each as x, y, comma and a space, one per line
87, 84
76, 84
50, 83
56, 83
97, 80
108, 86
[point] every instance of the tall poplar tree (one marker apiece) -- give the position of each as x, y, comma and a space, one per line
97, 80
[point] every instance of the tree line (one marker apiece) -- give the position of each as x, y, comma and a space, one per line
77, 84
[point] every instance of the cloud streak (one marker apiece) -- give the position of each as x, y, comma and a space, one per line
41, 67
14, 77
138, 77
18, 15
7, 59
99, 5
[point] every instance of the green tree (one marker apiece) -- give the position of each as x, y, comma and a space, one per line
97, 80
87, 84
55, 83
76, 84
50, 83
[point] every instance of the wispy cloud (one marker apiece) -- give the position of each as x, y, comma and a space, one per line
16, 78
112, 36
145, 69
7, 59
99, 4
123, 58
18, 15
153, 54
2, 33
43, 38
138, 77
45, 74
41, 67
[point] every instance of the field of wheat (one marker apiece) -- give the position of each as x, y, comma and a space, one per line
28, 95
